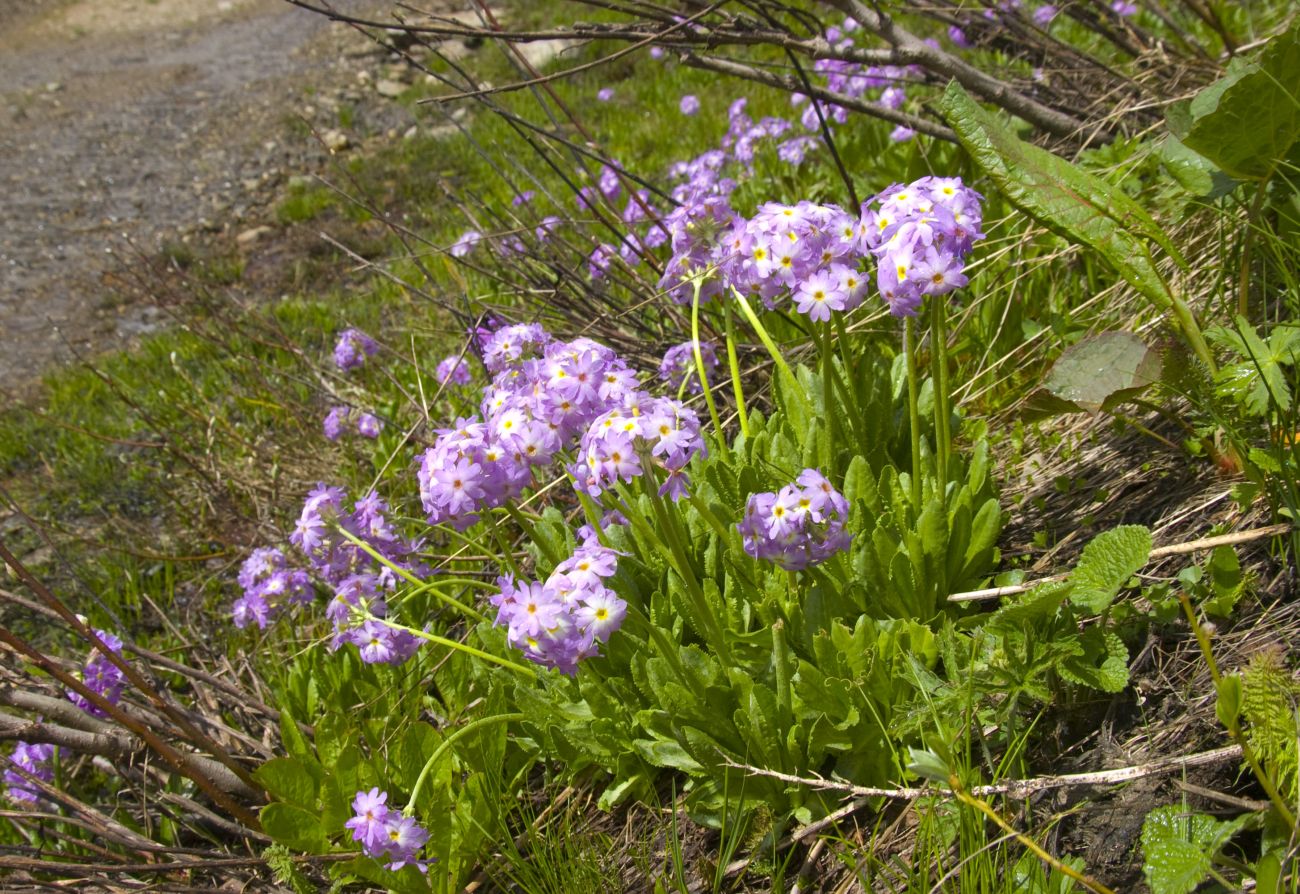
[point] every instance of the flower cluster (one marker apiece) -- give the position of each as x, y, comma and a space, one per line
560, 622
800, 526
352, 349
357, 607
270, 587
810, 252
101, 676
920, 234
387, 834
33, 760
454, 370
678, 365
644, 432
543, 394
368, 425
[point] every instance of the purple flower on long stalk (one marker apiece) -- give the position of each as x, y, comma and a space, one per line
690, 104
679, 366
386, 834
101, 676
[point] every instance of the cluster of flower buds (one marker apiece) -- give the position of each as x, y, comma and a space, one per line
270, 587
678, 365
387, 834
558, 623
33, 760
920, 234
340, 418
357, 607
644, 432
101, 676
798, 527
352, 349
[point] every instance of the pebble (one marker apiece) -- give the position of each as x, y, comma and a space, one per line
390, 89
251, 235
335, 140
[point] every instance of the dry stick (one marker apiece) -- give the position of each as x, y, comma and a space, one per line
182, 763
790, 85
913, 50
1016, 788
1158, 553
186, 866
136, 679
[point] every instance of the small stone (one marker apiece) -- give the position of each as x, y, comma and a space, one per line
335, 140
249, 236
225, 6
53, 87
390, 89
411, 132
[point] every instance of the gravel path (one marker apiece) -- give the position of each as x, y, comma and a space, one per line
124, 123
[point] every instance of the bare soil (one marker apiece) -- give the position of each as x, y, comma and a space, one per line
126, 125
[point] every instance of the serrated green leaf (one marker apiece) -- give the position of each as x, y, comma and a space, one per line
1068, 200
1106, 564
1178, 846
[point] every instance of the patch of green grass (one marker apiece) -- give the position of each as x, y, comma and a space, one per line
304, 201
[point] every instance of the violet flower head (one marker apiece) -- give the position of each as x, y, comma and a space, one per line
679, 365
1044, 15
690, 104
901, 134
453, 369
920, 234
334, 421
466, 243
605, 94
33, 760
1123, 8
369, 425
270, 587
645, 433
522, 198
352, 349
797, 527
656, 52
563, 620
387, 834
101, 676
958, 37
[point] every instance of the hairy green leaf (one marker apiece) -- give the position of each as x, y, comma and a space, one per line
295, 827
1106, 564
288, 780
1178, 846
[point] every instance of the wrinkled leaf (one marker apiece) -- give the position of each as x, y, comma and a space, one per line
1178, 846
1106, 564
1193, 171
288, 780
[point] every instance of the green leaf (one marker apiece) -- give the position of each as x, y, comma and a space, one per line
927, 765
1227, 707
1103, 663
1248, 120
1068, 200
288, 780
665, 753
1178, 846
295, 827
1106, 565
1103, 371
1193, 171
295, 743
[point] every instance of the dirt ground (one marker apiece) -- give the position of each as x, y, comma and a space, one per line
129, 124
